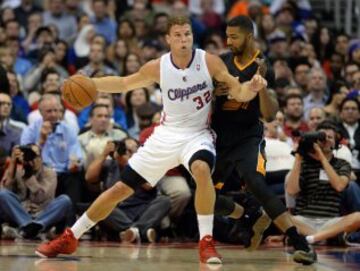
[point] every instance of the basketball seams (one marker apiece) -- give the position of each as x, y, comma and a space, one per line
84, 89
73, 95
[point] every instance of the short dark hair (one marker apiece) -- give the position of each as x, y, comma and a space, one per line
46, 72
349, 99
293, 96
177, 20
243, 22
97, 106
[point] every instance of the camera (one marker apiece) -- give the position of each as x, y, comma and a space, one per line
29, 154
120, 148
307, 140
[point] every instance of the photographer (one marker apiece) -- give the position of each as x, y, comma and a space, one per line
27, 195
138, 217
317, 179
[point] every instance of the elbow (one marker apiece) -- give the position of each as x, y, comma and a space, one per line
339, 188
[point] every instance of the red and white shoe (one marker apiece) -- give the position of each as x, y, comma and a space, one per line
66, 243
207, 251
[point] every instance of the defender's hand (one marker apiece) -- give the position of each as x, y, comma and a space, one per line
262, 67
258, 82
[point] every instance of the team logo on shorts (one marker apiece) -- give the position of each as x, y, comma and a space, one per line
198, 67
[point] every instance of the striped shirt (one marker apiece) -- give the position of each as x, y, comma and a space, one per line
317, 197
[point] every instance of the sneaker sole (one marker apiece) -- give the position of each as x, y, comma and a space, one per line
304, 258
41, 255
214, 260
259, 228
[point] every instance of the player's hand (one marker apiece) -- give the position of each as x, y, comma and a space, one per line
258, 82
262, 67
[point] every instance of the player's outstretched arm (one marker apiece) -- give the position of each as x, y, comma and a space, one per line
241, 92
147, 75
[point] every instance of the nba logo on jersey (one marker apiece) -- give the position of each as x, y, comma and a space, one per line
198, 67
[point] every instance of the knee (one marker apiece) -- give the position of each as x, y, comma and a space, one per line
200, 170
65, 201
4, 195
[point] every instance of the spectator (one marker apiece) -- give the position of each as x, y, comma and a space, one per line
349, 125
133, 100
28, 194
12, 29
302, 75
294, 113
44, 39
338, 94
118, 117
60, 147
21, 65
138, 217
81, 48
65, 23
97, 62
20, 108
132, 63
317, 89
34, 22
103, 24
342, 44
46, 60
101, 131
278, 158
126, 31
9, 133
349, 69
117, 55
25, 10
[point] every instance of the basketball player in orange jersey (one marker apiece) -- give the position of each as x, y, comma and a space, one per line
183, 137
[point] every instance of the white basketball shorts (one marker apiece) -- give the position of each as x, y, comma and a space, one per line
167, 148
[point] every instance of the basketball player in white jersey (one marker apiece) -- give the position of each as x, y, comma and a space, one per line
183, 137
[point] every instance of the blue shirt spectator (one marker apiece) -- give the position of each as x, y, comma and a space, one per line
59, 146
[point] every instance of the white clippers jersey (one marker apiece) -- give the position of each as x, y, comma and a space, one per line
186, 94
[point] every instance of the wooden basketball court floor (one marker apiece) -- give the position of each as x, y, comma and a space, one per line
92, 256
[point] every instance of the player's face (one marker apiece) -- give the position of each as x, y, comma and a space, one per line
236, 39
180, 38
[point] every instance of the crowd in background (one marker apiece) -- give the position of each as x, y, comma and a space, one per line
317, 72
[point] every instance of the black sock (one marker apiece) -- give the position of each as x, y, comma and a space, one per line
298, 241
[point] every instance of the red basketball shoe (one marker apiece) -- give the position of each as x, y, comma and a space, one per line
66, 243
207, 251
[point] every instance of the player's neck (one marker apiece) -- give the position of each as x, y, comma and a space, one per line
182, 60
247, 55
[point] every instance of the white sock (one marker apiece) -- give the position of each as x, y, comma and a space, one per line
205, 223
82, 225
310, 239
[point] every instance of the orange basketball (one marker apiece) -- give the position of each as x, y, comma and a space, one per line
79, 91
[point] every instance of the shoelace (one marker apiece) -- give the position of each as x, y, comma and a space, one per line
210, 246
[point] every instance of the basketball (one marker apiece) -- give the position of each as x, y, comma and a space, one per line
79, 91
